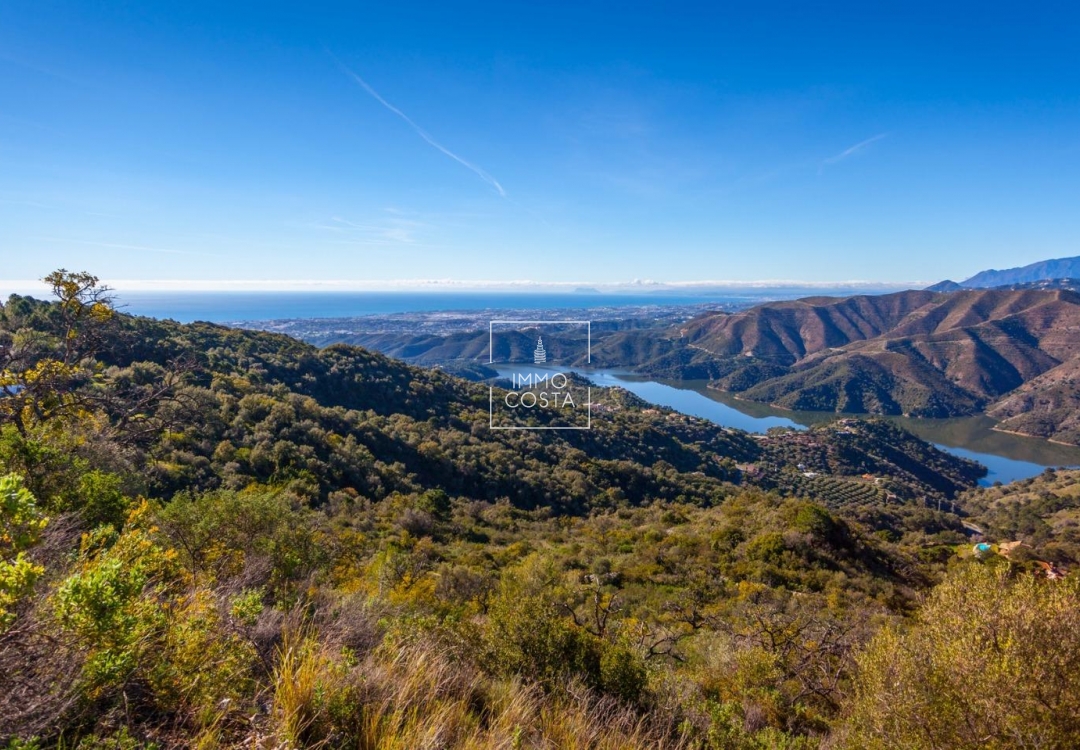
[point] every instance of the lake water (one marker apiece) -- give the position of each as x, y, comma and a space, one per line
1008, 457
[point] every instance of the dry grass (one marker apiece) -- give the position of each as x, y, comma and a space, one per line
417, 699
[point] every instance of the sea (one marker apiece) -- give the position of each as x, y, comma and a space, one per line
220, 307
232, 306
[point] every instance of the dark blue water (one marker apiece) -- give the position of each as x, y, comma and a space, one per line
220, 307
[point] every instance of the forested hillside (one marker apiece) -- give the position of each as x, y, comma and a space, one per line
221, 538
1042, 513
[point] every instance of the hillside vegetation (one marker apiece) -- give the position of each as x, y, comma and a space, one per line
213, 538
1043, 513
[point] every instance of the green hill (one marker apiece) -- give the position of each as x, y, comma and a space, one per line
221, 538
1042, 512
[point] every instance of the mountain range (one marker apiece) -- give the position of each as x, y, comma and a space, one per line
1011, 353
1004, 343
1066, 269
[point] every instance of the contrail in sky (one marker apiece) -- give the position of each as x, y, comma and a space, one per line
482, 174
853, 149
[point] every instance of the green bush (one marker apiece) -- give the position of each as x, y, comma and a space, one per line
21, 525
990, 663
814, 520
768, 547
622, 673
101, 499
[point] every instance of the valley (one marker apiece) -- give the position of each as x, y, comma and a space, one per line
539, 376
1010, 354
1007, 456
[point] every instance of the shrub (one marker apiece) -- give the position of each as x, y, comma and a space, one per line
991, 662
101, 499
108, 603
21, 524
814, 520
622, 673
767, 547
530, 635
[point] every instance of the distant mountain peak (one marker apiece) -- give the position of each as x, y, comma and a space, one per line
1059, 268
945, 286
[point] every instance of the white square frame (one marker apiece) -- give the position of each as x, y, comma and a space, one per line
491, 361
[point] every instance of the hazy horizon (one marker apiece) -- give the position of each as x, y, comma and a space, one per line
417, 286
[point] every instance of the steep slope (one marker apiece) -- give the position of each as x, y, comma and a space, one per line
786, 332
919, 352
1047, 406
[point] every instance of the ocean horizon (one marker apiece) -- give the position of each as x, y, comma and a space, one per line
238, 306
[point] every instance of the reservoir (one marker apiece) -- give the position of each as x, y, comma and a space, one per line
1007, 457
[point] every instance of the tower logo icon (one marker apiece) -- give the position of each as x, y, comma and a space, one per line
539, 354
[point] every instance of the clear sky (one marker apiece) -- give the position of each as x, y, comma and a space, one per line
600, 142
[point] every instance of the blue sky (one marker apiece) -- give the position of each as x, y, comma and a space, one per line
579, 142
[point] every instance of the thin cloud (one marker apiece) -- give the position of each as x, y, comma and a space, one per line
852, 150
481, 173
117, 246
394, 230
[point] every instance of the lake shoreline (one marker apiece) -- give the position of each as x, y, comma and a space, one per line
1007, 457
